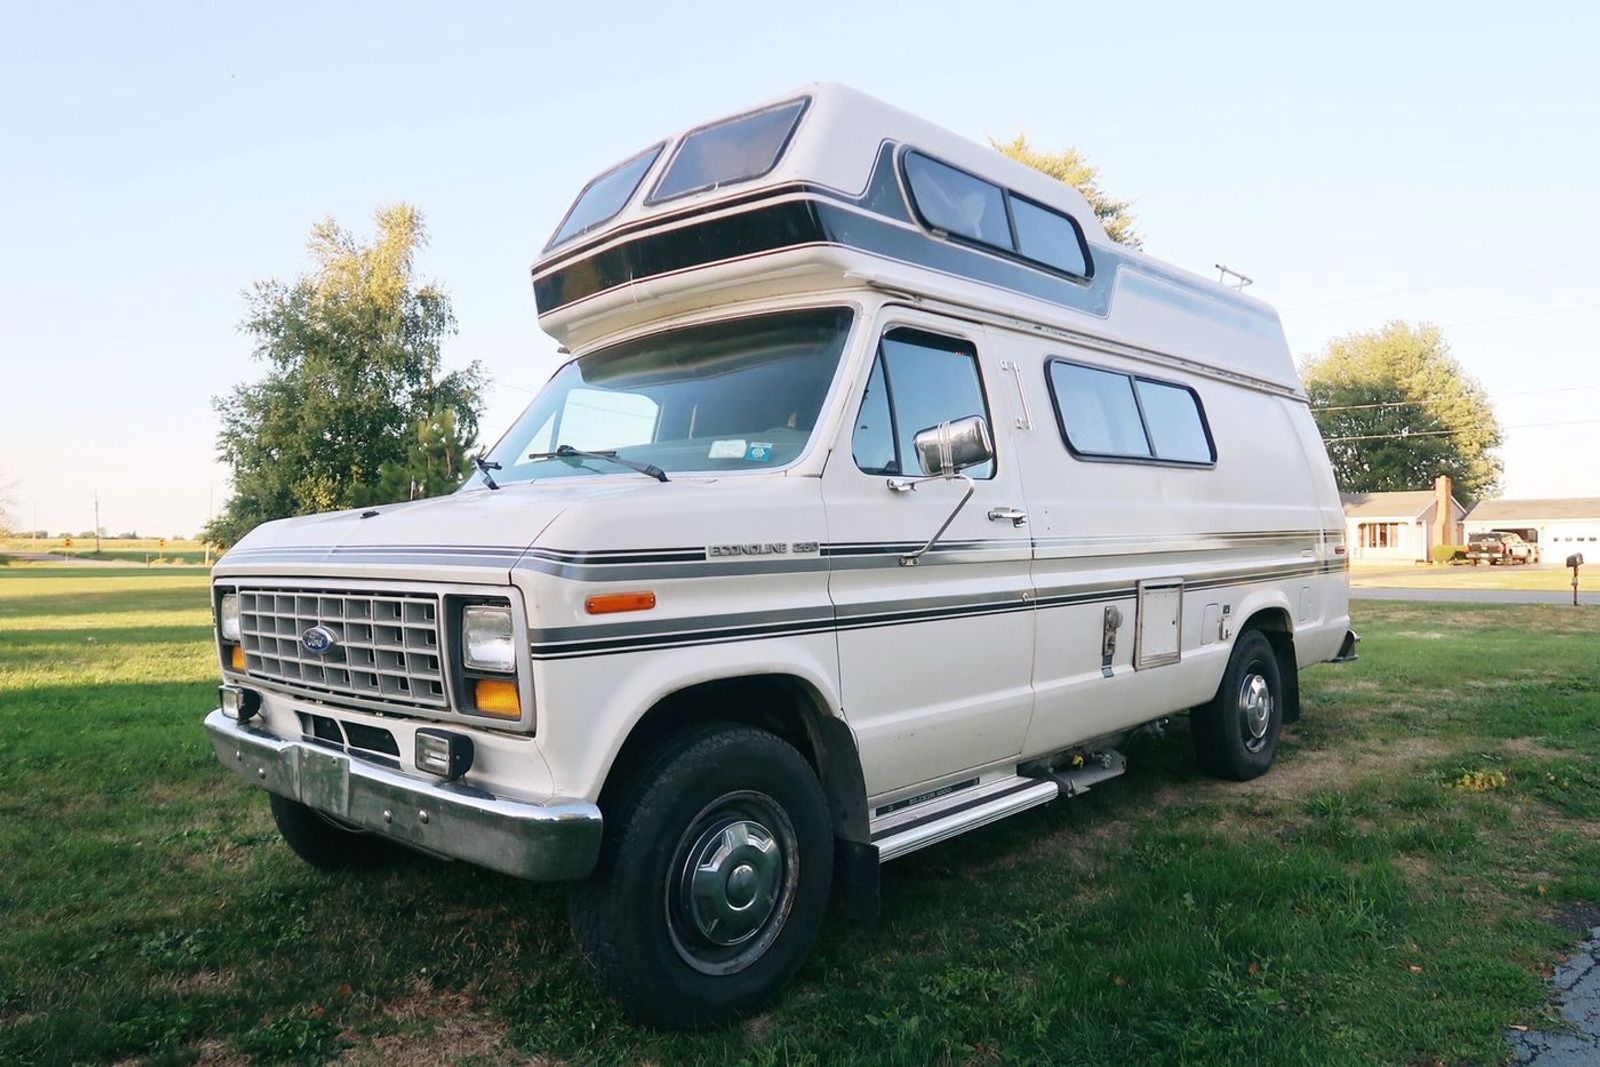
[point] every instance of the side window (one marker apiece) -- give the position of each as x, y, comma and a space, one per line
954, 201
873, 444
918, 380
1106, 414
1098, 411
1048, 237
1172, 413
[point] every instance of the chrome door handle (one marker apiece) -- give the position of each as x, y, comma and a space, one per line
1018, 518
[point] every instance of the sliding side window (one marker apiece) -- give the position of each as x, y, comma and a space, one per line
918, 380
1105, 414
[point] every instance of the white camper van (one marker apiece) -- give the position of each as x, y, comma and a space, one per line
880, 496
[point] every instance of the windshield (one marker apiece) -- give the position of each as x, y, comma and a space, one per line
735, 395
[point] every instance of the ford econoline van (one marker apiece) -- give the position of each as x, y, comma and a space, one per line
880, 496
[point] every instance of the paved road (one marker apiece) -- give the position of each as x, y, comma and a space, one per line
1577, 985
1472, 596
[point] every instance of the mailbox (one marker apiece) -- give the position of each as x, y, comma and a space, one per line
1575, 560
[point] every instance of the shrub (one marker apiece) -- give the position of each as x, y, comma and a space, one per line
1448, 553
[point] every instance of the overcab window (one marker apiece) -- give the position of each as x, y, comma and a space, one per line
602, 198
724, 153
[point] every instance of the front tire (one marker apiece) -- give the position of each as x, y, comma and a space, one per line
1236, 734
713, 880
326, 845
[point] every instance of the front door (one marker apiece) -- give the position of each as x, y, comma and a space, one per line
935, 659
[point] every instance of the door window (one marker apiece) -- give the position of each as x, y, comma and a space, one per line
918, 380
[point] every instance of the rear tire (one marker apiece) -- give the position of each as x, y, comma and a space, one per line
1236, 734
327, 846
713, 879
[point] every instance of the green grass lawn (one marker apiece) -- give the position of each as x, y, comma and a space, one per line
1357, 905
1461, 576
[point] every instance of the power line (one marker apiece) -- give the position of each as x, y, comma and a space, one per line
1444, 285
1446, 400
1525, 315
1445, 433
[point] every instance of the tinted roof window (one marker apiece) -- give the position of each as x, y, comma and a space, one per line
955, 202
735, 150
602, 198
1048, 237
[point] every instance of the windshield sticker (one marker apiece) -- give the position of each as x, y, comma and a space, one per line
758, 452
726, 450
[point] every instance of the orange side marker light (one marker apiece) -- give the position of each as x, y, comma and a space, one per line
610, 603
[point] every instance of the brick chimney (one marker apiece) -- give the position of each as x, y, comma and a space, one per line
1444, 515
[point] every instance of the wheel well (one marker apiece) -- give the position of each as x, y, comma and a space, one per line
1275, 625
781, 704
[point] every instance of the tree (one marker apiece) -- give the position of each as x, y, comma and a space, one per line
1396, 411
1078, 172
354, 382
8, 504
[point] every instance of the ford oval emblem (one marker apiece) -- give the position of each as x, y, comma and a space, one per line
319, 640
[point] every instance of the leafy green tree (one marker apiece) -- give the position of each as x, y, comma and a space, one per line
1070, 167
1396, 411
8, 503
355, 405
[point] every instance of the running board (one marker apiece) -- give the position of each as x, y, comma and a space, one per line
947, 814
1014, 795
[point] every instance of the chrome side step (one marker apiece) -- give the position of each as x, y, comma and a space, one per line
970, 805
1007, 797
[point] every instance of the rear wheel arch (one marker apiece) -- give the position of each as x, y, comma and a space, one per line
1276, 624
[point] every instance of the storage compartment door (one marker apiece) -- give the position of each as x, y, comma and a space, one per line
1159, 620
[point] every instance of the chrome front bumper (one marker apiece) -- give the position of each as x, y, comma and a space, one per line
548, 842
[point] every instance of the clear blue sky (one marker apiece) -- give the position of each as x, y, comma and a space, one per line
156, 158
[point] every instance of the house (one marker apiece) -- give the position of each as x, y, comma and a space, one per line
1400, 527
1559, 525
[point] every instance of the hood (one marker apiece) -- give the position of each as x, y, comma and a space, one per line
475, 536
465, 537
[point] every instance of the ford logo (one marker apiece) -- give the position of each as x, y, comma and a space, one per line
319, 640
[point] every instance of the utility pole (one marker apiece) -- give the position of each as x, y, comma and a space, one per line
97, 522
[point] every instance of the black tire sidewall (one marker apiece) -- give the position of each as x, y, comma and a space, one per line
624, 903
325, 846
1220, 735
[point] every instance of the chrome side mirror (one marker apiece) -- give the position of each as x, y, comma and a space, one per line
952, 447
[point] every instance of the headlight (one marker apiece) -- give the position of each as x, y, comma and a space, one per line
486, 639
228, 616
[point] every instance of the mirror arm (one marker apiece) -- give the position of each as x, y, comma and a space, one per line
910, 558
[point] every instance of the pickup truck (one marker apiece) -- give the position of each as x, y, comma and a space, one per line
1498, 546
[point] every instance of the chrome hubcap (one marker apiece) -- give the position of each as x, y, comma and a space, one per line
732, 883
732, 875
1255, 710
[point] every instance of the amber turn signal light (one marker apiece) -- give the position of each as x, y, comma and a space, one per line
608, 603
497, 697
236, 657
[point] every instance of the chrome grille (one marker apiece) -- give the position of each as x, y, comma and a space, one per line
387, 643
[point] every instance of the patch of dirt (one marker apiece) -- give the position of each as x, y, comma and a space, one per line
1310, 772
436, 1027
204, 982
1527, 746
214, 1053
1577, 919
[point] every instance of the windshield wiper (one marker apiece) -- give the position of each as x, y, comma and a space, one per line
484, 467
568, 452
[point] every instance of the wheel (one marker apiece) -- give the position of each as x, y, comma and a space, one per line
713, 879
326, 844
1236, 734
